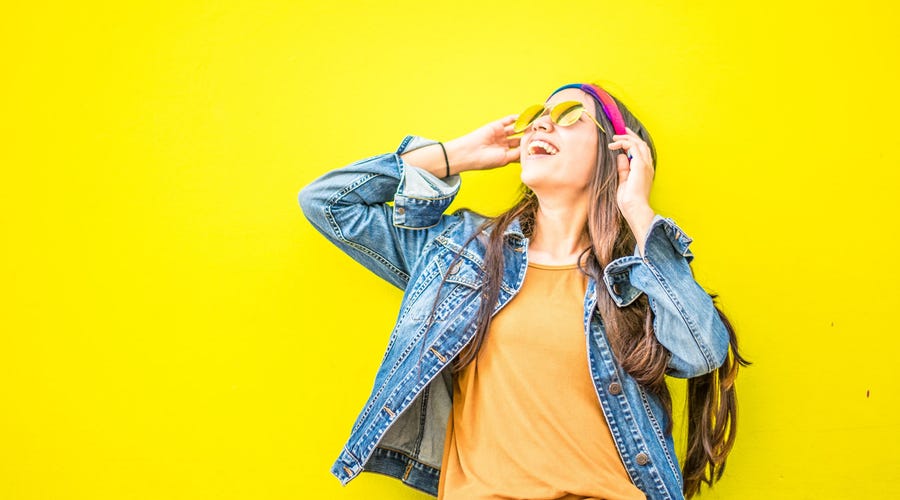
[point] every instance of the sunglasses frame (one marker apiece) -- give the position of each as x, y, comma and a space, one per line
607, 103
556, 113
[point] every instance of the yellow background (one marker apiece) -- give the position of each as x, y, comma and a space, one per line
173, 328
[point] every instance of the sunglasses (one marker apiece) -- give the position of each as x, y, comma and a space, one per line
563, 114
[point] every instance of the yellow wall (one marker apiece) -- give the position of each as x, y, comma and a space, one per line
173, 328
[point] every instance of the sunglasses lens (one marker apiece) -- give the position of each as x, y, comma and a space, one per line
566, 113
526, 117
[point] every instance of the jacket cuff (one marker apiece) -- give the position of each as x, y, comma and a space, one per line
421, 197
663, 234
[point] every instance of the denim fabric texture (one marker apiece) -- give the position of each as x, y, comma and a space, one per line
412, 243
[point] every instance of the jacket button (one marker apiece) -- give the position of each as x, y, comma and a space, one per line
401, 210
617, 289
615, 388
642, 458
455, 268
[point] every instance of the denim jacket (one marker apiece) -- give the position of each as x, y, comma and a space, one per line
412, 244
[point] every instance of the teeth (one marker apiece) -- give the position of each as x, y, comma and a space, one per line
546, 146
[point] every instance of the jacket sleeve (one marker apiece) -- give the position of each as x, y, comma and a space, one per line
684, 318
349, 206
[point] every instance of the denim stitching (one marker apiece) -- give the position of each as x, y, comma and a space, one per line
376, 395
657, 428
681, 310
607, 412
380, 431
605, 358
426, 279
419, 198
405, 354
335, 227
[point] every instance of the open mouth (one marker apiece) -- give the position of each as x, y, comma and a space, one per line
538, 147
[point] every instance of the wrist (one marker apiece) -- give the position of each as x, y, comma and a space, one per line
637, 212
459, 155
639, 219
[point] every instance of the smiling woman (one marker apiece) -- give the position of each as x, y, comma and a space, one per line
561, 147
530, 354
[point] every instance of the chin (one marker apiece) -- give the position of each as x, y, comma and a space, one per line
526, 173
536, 170
531, 178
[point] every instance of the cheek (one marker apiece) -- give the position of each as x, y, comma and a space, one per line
586, 162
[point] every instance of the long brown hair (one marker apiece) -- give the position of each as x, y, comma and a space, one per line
712, 401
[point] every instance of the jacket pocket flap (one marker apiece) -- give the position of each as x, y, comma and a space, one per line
461, 271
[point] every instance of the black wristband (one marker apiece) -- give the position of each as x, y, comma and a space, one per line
446, 160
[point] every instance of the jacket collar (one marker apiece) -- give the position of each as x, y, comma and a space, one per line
513, 233
514, 230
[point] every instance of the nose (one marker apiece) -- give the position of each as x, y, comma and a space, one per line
542, 122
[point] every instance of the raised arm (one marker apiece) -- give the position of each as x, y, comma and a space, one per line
685, 319
349, 206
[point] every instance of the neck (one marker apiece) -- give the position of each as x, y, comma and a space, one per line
559, 231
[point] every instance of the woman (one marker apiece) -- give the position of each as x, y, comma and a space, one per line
530, 352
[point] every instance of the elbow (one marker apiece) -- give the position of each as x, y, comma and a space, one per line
708, 352
312, 204
719, 340
307, 200
681, 367
684, 367
713, 346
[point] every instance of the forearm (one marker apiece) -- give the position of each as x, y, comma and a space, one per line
431, 158
685, 319
348, 206
639, 220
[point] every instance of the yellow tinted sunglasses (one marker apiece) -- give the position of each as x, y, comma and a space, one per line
563, 114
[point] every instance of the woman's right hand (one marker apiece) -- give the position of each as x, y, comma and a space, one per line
489, 146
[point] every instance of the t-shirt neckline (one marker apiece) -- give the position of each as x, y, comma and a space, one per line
549, 267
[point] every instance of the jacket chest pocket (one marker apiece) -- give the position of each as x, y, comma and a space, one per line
461, 271
450, 283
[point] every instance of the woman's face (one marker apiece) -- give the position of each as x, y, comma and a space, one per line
573, 150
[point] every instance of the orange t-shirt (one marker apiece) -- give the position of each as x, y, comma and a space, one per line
526, 422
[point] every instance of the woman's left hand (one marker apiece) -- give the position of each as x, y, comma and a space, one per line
635, 176
635, 181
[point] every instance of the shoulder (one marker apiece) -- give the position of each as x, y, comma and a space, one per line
462, 224
471, 216
470, 234
469, 221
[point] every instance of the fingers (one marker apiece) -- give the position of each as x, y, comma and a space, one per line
623, 167
628, 149
631, 144
642, 146
508, 119
512, 155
